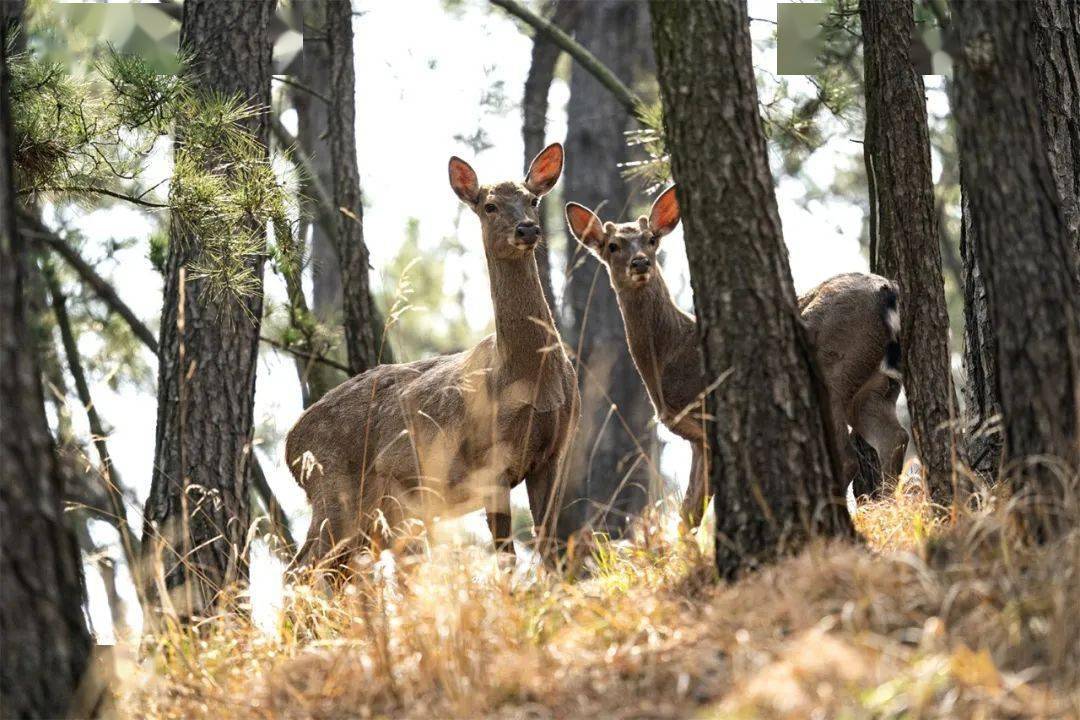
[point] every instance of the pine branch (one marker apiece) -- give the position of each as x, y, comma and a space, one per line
585, 59
95, 191
33, 227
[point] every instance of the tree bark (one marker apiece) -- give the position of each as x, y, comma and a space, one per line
773, 461
199, 500
534, 108
43, 637
607, 462
312, 136
1024, 252
1057, 65
362, 335
982, 408
905, 232
312, 112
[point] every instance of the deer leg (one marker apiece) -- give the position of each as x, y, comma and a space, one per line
874, 417
693, 505
497, 506
545, 498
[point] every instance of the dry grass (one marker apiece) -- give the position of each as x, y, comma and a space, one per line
935, 619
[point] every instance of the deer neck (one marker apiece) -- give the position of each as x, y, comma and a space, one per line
656, 329
523, 320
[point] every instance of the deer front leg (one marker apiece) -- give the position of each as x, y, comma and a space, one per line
497, 506
693, 505
544, 484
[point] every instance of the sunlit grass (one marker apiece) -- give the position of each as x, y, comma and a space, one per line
930, 618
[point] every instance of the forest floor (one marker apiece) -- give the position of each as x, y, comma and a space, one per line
936, 615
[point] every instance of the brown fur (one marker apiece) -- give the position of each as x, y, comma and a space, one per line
844, 317
419, 439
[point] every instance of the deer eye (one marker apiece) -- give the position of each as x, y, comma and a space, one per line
652, 240
536, 202
490, 208
613, 247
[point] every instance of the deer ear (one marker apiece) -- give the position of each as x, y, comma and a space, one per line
463, 180
545, 169
664, 215
585, 226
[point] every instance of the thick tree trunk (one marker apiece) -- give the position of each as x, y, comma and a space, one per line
362, 335
905, 232
1024, 250
534, 108
199, 502
43, 638
773, 463
608, 466
1057, 65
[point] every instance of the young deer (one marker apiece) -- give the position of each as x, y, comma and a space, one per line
851, 320
458, 430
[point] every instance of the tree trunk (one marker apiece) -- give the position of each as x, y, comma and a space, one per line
312, 138
611, 472
362, 335
982, 413
905, 232
199, 502
1024, 251
43, 637
313, 126
1057, 65
773, 461
534, 108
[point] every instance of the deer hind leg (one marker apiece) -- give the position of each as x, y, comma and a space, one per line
331, 537
874, 417
693, 505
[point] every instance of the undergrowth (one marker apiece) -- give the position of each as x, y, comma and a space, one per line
935, 616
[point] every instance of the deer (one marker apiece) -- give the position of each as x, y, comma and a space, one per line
852, 322
401, 442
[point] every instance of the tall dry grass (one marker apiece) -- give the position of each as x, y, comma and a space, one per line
934, 616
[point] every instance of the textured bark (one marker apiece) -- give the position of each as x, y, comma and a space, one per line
773, 462
607, 464
534, 108
905, 232
43, 638
199, 498
362, 335
1056, 35
1024, 250
982, 408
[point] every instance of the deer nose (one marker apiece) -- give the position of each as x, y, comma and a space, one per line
528, 231
640, 262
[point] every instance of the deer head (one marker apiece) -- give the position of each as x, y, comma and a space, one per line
627, 249
509, 212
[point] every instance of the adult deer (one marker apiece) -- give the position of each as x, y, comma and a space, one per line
851, 320
415, 439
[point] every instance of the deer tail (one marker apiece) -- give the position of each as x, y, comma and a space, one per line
890, 316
